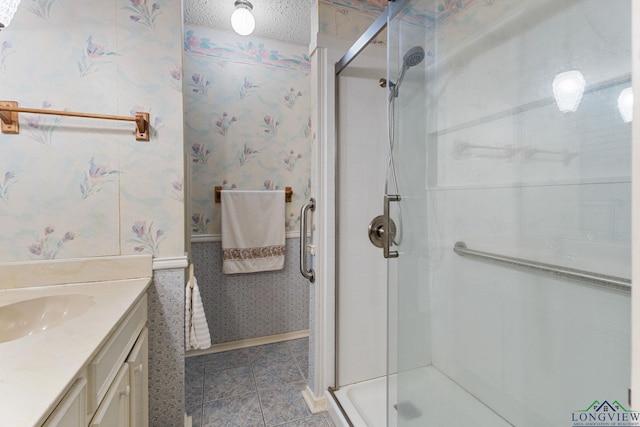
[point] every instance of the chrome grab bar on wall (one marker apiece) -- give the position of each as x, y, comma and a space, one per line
308, 273
601, 280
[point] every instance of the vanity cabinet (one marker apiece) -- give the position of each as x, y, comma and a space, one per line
112, 390
139, 379
114, 409
71, 411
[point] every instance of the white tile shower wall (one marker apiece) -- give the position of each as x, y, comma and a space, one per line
242, 306
521, 341
362, 290
409, 302
411, 326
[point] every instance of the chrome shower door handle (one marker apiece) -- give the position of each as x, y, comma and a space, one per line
308, 273
386, 236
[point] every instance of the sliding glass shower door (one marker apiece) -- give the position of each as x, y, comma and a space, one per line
512, 143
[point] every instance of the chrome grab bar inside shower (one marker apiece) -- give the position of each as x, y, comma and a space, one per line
601, 280
308, 273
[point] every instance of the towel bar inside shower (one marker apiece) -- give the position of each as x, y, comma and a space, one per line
596, 279
288, 193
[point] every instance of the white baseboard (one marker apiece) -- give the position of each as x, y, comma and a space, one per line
315, 405
250, 342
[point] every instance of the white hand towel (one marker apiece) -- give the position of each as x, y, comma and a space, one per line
253, 232
196, 327
187, 317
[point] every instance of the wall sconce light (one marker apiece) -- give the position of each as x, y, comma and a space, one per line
568, 88
242, 20
625, 104
7, 10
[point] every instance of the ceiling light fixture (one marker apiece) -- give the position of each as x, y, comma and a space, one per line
7, 10
242, 20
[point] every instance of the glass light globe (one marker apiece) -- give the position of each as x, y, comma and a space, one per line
243, 21
625, 104
568, 88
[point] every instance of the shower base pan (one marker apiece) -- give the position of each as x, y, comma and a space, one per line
436, 401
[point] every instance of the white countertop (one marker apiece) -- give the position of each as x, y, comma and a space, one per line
36, 370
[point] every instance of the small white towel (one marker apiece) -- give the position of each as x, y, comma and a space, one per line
196, 328
253, 234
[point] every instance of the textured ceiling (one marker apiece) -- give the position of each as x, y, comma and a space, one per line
287, 20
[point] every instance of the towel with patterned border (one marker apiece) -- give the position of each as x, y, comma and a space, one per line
253, 231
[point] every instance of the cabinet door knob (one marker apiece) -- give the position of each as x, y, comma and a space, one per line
126, 391
138, 368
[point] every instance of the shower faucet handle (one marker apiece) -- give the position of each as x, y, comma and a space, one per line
387, 237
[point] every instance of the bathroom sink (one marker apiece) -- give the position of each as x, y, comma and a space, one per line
36, 315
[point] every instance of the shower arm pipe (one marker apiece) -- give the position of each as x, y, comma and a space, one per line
9, 115
596, 279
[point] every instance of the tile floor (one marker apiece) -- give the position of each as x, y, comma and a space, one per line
256, 386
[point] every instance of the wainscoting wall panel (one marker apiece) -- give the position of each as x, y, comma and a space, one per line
243, 306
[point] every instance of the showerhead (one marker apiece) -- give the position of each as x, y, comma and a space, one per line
413, 57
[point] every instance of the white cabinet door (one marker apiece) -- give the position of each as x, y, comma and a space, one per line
114, 409
139, 378
71, 411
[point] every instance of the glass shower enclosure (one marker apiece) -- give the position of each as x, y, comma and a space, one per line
509, 302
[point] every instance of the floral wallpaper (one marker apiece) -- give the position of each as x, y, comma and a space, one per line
247, 120
72, 187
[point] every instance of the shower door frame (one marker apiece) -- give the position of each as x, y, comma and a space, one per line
360, 45
379, 25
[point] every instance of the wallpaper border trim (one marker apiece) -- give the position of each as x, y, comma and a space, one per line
221, 45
